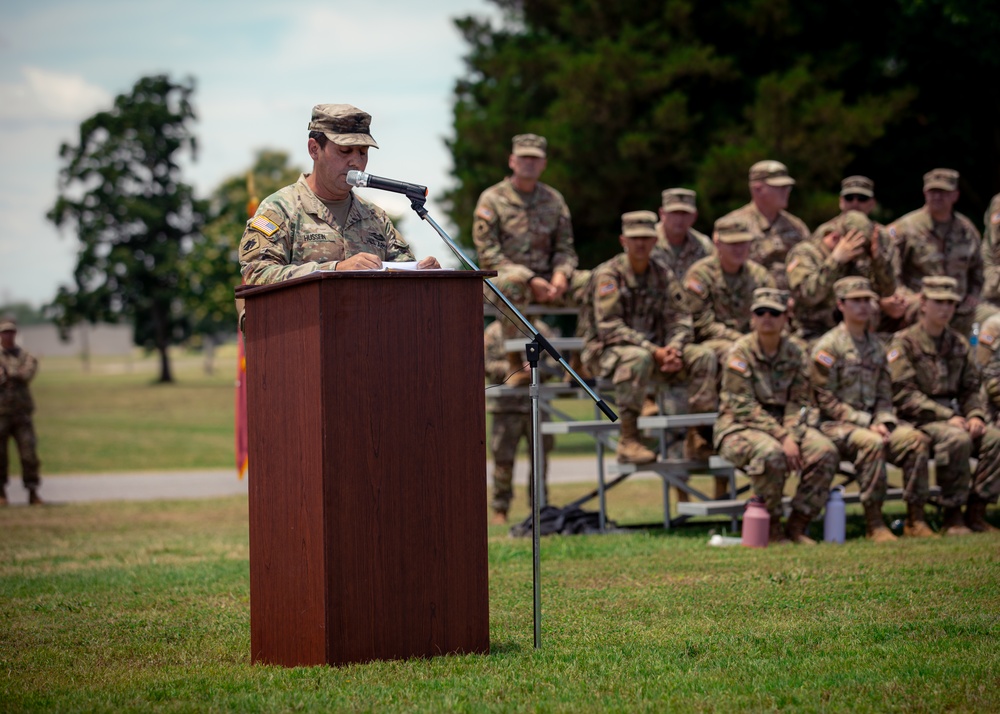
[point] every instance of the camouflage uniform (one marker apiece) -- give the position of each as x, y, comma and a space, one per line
772, 241
630, 317
511, 423
720, 303
294, 233
812, 271
951, 249
988, 360
764, 399
523, 236
680, 259
930, 385
991, 251
853, 391
17, 369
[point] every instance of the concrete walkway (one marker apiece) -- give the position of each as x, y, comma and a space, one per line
152, 485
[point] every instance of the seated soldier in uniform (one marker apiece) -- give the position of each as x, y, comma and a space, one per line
639, 335
935, 386
762, 427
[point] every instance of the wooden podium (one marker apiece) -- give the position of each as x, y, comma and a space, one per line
367, 467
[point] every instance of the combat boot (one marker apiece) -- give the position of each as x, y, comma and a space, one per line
875, 528
499, 518
952, 523
33, 498
776, 536
798, 524
631, 450
520, 374
975, 515
696, 446
916, 524
649, 407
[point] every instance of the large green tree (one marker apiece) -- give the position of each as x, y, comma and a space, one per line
637, 96
135, 219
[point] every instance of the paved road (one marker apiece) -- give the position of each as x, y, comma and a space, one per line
151, 485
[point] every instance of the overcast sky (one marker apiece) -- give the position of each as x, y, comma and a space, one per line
259, 68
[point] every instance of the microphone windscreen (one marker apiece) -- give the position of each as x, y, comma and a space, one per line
355, 178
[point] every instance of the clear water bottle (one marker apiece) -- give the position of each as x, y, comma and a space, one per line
835, 519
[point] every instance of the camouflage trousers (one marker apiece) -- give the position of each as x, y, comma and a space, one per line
760, 456
508, 430
634, 373
952, 448
22, 430
863, 448
519, 293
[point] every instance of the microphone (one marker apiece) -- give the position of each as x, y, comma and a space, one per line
410, 190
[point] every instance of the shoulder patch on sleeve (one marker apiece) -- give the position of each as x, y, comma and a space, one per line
484, 213
987, 338
892, 356
825, 358
793, 265
695, 287
264, 225
606, 288
738, 365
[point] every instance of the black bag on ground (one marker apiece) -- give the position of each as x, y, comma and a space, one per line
570, 520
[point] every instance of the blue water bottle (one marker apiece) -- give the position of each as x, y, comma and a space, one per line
974, 337
835, 518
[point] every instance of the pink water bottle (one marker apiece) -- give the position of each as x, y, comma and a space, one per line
756, 524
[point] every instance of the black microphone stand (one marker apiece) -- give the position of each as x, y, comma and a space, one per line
532, 350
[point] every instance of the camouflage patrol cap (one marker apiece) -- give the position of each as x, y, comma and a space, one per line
944, 179
733, 230
7, 324
773, 173
679, 199
855, 221
529, 145
343, 124
639, 224
861, 185
853, 286
940, 287
770, 297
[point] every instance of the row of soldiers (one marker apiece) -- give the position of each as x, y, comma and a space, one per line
676, 307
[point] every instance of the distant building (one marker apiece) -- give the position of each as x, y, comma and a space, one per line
95, 340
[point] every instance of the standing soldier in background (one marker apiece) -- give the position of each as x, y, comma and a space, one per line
848, 245
937, 240
639, 334
719, 289
522, 229
935, 386
511, 423
851, 387
991, 252
762, 419
775, 230
678, 244
17, 369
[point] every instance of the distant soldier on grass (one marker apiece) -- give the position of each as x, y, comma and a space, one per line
17, 369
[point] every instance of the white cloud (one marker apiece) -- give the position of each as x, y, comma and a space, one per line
44, 95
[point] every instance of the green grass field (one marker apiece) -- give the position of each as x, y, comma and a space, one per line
145, 606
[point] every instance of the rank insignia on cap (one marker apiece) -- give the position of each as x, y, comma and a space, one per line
738, 365
893, 355
265, 225
825, 358
987, 339
695, 287
484, 213
606, 288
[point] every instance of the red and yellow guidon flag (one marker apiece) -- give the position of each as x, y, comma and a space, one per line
242, 447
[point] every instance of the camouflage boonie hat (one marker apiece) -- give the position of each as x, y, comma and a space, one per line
770, 297
855, 221
343, 124
773, 173
944, 179
679, 199
733, 230
639, 224
861, 185
8, 326
940, 287
529, 145
853, 286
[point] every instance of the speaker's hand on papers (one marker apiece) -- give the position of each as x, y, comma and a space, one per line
428, 263
360, 261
